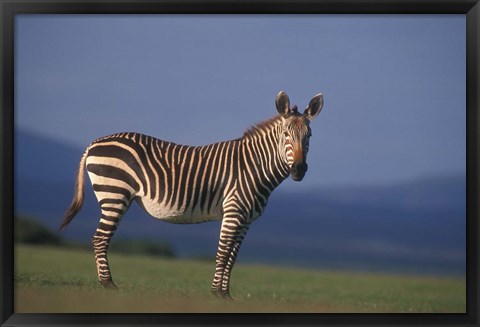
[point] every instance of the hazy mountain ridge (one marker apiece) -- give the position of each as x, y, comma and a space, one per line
416, 226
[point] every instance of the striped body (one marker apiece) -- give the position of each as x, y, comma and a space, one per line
229, 181
178, 183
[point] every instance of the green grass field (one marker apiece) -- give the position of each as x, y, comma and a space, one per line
50, 279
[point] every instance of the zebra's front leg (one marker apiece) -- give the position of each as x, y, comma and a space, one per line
232, 232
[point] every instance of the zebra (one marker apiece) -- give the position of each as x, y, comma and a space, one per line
229, 181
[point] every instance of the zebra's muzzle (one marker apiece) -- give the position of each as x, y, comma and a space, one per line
298, 170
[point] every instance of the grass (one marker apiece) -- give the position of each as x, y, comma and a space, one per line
52, 279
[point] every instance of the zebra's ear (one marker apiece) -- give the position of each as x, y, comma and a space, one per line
283, 104
314, 107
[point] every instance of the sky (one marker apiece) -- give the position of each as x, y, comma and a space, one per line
394, 85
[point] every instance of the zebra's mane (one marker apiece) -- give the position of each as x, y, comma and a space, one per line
262, 126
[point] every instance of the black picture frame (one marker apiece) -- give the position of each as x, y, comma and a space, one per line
10, 8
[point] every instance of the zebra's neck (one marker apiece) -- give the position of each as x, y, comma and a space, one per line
262, 149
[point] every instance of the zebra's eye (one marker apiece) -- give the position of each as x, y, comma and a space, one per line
285, 134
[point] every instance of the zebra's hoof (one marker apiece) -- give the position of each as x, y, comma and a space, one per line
225, 295
108, 284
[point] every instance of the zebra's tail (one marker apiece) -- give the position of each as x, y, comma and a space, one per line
77, 201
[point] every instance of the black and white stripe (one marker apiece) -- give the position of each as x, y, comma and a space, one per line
229, 181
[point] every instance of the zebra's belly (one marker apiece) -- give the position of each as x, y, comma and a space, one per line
177, 216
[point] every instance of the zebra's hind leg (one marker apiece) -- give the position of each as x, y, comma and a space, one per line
109, 220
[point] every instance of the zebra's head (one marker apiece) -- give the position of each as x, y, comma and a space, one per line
296, 132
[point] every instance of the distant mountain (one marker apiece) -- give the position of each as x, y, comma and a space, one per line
416, 227
43, 159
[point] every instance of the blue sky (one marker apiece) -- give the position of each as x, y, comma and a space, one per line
394, 86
